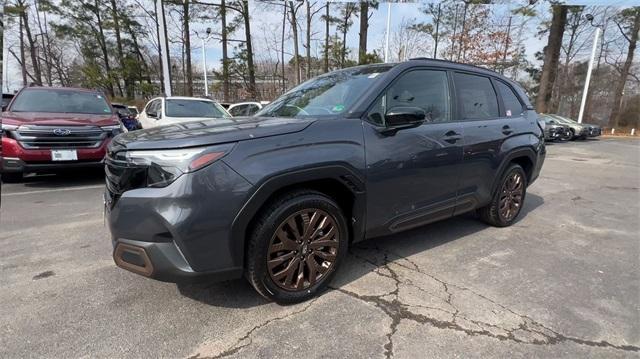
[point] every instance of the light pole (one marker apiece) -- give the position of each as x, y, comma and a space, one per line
204, 61
589, 18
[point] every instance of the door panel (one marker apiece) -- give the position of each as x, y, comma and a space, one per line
412, 174
485, 133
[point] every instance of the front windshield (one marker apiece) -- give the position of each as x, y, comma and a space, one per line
194, 108
326, 95
60, 101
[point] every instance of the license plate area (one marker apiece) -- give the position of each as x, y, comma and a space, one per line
64, 155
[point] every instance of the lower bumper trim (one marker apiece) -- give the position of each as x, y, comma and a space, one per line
163, 261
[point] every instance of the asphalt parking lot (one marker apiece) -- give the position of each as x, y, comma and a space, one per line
563, 281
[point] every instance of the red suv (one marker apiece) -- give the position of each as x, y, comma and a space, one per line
46, 128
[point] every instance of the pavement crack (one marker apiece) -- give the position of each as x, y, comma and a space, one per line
397, 311
239, 345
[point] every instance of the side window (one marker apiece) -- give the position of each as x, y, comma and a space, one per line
426, 89
149, 105
251, 109
477, 97
238, 111
512, 106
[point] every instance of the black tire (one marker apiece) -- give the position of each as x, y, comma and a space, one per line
11, 177
273, 218
573, 134
492, 213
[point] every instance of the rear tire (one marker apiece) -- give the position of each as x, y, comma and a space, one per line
508, 199
11, 177
297, 244
572, 137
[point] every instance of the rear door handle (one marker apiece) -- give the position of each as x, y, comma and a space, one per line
506, 130
452, 137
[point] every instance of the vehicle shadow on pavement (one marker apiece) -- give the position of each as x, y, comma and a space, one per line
80, 177
240, 294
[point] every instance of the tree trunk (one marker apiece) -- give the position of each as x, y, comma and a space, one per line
617, 100
23, 64
187, 47
551, 57
161, 73
247, 32
326, 40
32, 47
308, 68
225, 54
123, 68
435, 48
46, 49
345, 29
166, 42
296, 52
284, 24
105, 54
364, 27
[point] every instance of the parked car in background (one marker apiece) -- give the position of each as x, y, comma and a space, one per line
47, 128
6, 98
127, 118
592, 130
134, 111
245, 108
577, 130
168, 110
554, 130
353, 154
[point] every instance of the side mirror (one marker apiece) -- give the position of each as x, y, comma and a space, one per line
4, 108
152, 114
404, 116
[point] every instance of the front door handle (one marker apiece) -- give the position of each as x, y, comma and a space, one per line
506, 130
452, 137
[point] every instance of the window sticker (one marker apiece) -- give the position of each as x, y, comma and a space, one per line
509, 113
338, 108
374, 75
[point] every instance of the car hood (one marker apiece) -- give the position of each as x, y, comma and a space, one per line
210, 132
57, 119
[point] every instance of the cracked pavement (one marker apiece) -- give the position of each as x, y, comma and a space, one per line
564, 281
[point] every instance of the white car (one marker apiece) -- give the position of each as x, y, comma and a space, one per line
245, 108
169, 110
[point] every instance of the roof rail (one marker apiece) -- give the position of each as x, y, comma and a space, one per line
452, 62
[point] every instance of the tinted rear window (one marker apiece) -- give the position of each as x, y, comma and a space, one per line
479, 100
512, 106
60, 101
193, 108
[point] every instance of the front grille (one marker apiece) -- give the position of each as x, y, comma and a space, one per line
39, 137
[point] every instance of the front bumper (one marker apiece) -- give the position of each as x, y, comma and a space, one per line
164, 262
181, 232
16, 165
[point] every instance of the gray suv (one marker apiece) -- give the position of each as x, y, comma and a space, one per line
353, 154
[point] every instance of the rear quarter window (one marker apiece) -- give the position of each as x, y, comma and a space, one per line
512, 105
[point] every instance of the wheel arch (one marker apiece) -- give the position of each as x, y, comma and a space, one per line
523, 156
339, 182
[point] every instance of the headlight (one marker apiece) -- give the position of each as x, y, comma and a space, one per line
114, 129
165, 166
5, 127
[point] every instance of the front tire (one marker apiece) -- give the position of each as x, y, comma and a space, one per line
295, 247
508, 199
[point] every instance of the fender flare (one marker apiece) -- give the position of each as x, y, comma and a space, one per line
513, 154
267, 187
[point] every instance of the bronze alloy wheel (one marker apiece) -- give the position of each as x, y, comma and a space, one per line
303, 249
511, 196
